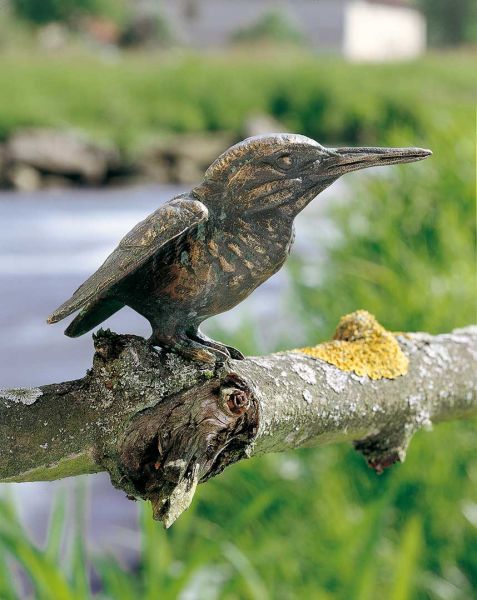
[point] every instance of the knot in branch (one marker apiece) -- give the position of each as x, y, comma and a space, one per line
186, 439
236, 399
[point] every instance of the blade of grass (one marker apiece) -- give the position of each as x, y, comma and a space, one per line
7, 584
367, 567
250, 576
155, 553
116, 582
407, 563
46, 578
205, 582
79, 561
56, 528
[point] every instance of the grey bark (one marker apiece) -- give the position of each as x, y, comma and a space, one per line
160, 424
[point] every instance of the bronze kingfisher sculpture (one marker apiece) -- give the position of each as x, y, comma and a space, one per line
203, 252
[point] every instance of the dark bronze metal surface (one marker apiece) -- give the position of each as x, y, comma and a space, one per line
202, 253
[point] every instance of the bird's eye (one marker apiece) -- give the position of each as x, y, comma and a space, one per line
284, 162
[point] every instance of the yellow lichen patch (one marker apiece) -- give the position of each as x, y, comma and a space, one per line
362, 345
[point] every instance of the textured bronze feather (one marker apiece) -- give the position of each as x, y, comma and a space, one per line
142, 242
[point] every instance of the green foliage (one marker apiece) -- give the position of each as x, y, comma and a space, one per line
50, 10
271, 27
137, 97
314, 524
406, 247
450, 22
40, 12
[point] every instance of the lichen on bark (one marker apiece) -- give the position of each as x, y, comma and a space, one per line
362, 345
161, 424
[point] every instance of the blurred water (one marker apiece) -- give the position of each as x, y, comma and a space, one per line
50, 241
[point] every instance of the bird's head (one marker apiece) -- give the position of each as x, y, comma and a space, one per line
285, 171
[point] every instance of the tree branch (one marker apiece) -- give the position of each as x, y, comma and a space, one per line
160, 424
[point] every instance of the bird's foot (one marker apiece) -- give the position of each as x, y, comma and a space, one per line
229, 351
190, 349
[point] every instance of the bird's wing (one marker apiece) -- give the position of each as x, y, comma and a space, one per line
141, 243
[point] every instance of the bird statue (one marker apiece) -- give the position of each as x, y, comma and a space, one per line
206, 250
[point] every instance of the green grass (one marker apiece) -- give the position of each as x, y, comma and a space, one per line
406, 247
129, 99
315, 523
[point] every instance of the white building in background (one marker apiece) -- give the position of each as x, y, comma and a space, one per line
378, 31
363, 30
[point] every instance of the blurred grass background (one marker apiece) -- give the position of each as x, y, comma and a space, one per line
316, 523
132, 98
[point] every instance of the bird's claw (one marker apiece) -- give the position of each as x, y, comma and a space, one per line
228, 351
191, 349
234, 353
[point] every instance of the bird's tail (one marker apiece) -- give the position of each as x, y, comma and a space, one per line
93, 314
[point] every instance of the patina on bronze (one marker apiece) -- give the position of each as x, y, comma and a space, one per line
203, 252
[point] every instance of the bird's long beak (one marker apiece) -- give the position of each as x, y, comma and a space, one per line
344, 160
